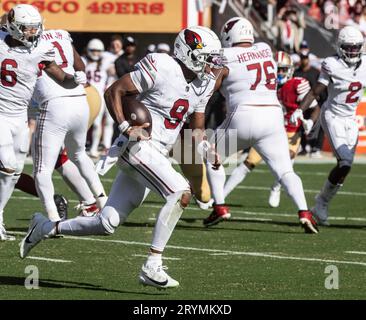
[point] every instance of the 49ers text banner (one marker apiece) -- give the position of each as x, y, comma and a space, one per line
108, 16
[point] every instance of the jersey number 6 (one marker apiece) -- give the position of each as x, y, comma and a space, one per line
8, 77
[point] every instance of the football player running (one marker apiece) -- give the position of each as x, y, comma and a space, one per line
254, 119
22, 53
290, 91
172, 89
70, 106
344, 75
100, 72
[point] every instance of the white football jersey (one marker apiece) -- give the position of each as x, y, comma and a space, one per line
345, 85
169, 98
252, 77
46, 87
19, 71
97, 72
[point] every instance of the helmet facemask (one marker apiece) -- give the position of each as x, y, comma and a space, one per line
350, 53
204, 63
95, 55
284, 73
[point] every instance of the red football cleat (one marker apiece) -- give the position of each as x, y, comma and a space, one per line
219, 213
308, 221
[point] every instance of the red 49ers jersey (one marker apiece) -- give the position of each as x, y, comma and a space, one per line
290, 95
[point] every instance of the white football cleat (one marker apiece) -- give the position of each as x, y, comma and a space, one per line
155, 276
204, 205
274, 197
3, 234
321, 210
34, 234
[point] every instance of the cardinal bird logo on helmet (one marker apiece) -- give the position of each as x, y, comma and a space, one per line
230, 25
193, 39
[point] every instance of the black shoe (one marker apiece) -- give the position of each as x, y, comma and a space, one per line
62, 205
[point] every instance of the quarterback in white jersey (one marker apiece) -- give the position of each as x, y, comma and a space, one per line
63, 119
255, 118
172, 89
100, 72
23, 56
344, 75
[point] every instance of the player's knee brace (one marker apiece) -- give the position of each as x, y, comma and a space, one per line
110, 219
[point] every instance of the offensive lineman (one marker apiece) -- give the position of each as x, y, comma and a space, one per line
172, 88
255, 118
344, 75
22, 53
290, 91
64, 116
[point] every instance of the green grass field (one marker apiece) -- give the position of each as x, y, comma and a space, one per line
261, 254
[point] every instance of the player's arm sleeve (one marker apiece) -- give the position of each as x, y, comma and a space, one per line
325, 73
145, 75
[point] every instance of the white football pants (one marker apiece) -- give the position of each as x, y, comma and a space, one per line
62, 121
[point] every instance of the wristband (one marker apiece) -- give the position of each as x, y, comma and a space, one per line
123, 127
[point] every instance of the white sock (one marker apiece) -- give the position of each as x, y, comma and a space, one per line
293, 186
216, 179
108, 131
237, 176
71, 175
154, 258
96, 135
46, 191
7, 184
167, 219
276, 185
329, 190
87, 171
82, 226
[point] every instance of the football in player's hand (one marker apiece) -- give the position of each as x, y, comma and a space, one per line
136, 113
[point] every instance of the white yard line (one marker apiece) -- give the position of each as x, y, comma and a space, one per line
49, 259
165, 258
313, 173
252, 213
233, 219
208, 250
356, 252
30, 198
345, 193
